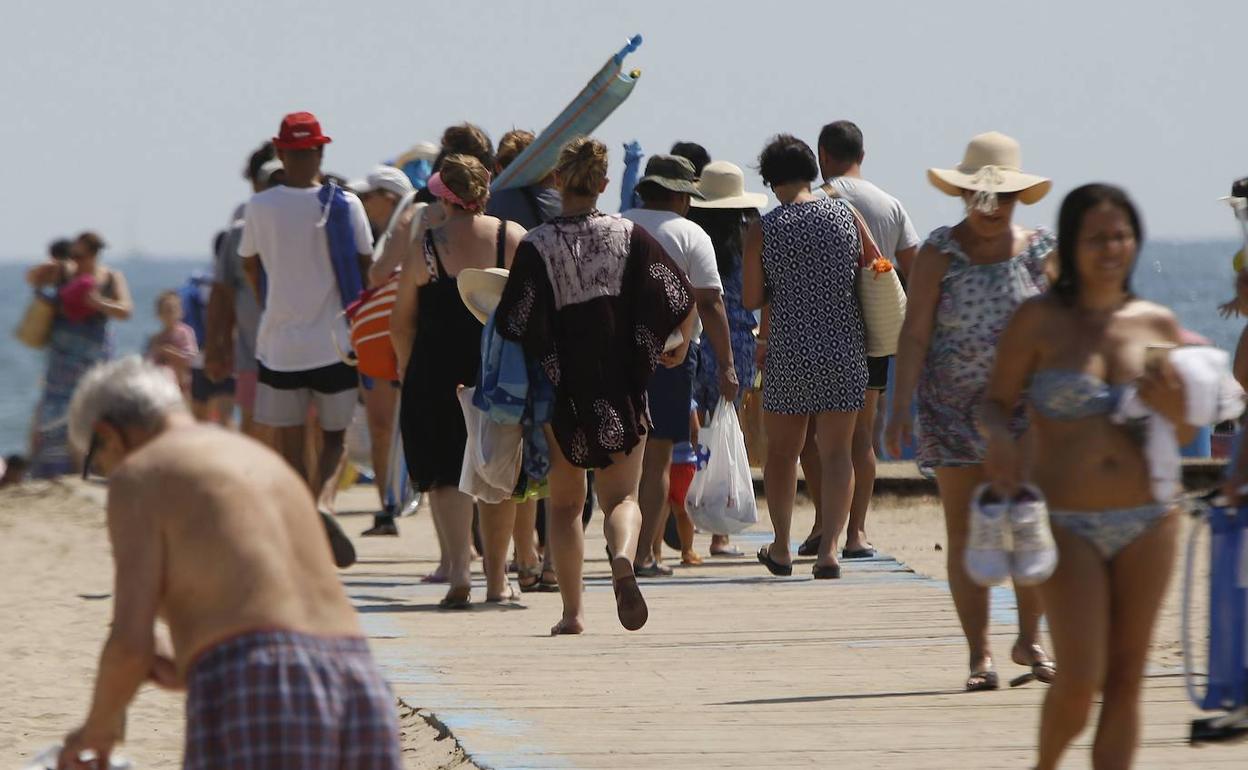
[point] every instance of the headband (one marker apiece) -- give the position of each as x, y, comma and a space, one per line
439, 188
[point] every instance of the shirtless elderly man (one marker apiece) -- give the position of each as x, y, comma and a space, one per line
216, 535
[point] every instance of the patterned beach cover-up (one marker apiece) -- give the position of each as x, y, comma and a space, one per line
976, 303
593, 298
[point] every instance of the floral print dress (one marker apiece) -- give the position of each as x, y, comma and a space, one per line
976, 303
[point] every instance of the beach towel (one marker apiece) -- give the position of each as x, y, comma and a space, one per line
336, 219
606, 91
1212, 396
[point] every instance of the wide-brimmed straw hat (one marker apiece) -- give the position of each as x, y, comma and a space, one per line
723, 187
992, 164
481, 290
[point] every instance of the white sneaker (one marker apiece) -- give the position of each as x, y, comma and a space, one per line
1034, 555
987, 559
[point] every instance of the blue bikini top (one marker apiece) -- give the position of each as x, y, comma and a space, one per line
1064, 394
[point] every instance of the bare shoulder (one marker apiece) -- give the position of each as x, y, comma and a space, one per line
1038, 312
1158, 317
515, 232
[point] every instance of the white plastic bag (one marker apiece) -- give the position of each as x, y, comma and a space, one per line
493, 455
721, 497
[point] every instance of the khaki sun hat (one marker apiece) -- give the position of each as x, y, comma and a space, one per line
992, 164
481, 290
671, 172
723, 186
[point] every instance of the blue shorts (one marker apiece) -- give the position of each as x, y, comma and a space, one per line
671, 395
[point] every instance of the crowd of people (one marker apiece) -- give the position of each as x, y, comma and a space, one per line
621, 334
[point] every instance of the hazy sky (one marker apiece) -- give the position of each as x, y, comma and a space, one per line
134, 117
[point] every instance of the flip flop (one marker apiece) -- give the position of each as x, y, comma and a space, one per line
982, 681
858, 553
653, 571
731, 552
827, 572
773, 566
339, 544
630, 605
1043, 669
810, 547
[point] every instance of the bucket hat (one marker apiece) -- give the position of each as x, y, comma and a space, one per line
300, 131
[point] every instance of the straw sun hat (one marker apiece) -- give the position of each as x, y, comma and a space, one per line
992, 164
723, 186
481, 290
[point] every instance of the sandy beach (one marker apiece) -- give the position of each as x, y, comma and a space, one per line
57, 604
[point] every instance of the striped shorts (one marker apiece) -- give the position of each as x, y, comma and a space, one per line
279, 699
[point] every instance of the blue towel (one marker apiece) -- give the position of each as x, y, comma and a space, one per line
511, 390
343, 254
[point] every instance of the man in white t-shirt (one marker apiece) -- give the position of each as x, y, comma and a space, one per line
840, 160
665, 192
299, 366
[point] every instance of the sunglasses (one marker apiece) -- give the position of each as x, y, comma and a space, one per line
89, 460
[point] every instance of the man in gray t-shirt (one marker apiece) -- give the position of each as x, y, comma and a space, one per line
233, 309
840, 161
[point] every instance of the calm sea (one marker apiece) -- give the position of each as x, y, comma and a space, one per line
1192, 278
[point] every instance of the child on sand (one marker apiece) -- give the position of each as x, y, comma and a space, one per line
174, 347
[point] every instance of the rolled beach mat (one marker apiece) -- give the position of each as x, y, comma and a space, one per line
606, 91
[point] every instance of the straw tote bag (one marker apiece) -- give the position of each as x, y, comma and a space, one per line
880, 295
36, 325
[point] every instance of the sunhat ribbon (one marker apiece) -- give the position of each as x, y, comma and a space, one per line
985, 183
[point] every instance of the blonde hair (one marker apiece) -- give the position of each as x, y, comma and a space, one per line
467, 178
582, 166
511, 145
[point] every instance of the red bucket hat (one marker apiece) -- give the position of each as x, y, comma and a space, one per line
300, 131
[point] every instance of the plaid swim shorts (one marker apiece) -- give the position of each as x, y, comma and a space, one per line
275, 700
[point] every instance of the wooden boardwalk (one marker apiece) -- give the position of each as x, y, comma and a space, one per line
735, 670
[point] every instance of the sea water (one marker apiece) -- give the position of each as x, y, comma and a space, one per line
1192, 278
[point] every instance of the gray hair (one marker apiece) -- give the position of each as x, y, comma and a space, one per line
129, 393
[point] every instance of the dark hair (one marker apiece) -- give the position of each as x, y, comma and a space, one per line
694, 153
655, 194
218, 241
842, 141
263, 154
466, 139
725, 226
59, 249
17, 462
787, 159
92, 241
1075, 208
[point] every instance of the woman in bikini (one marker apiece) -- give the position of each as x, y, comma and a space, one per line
1072, 350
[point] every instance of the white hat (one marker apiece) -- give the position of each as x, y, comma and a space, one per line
265, 173
723, 187
386, 178
481, 290
992, 164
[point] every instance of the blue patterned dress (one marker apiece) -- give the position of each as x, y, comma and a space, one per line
976, 303
817, 354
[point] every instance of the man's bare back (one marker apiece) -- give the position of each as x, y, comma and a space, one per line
234, 535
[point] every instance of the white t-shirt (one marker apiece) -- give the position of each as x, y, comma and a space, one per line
886, 218
686, 244
301, 312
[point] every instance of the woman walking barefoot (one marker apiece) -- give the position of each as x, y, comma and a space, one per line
968, 279
593, 299
1072, 350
